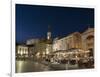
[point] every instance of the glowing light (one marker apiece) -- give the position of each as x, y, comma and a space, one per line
47, 51
37, 54
24, 51
18, 51
21, 52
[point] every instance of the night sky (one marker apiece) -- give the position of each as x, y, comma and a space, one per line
32, 21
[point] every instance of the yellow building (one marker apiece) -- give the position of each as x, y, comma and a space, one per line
71, 41
88, 39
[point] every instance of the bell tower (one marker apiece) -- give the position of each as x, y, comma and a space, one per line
49, 33
49, 41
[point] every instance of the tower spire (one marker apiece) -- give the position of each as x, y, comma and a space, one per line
49, 33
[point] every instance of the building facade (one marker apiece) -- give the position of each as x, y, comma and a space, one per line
71, 41
22, 51
31, 43
74, 46
88, 40
40, 51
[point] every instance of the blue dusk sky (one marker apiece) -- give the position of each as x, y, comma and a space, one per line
32, 21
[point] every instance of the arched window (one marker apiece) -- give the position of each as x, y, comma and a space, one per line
90, 39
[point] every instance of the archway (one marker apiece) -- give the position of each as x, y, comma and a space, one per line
90, 42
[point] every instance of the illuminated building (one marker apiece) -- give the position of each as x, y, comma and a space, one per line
75, 45
22, 51
71, 41
31, 43
88, 40
31, 50
44, 47
40, 49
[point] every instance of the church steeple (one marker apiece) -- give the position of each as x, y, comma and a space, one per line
49, 33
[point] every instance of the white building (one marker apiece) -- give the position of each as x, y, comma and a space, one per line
22, 51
